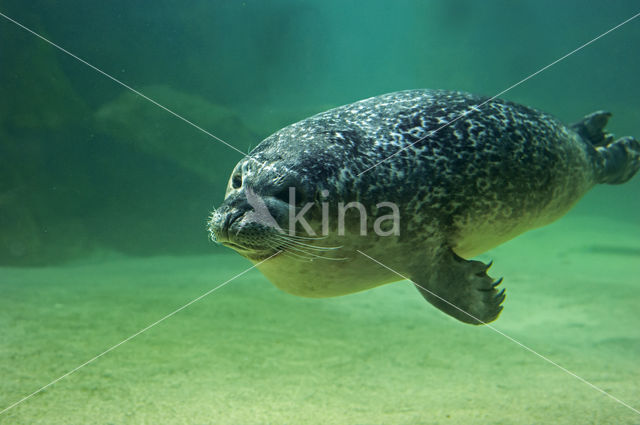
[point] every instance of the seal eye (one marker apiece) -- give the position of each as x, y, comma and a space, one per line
236, 181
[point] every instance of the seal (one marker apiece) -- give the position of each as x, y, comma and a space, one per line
419, 180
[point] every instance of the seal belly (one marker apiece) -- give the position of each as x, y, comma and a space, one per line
349, 273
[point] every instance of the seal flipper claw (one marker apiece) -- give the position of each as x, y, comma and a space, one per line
500, 297
488, 266
461, 288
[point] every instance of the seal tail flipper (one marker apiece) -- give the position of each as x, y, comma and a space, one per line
461, 288
616, 161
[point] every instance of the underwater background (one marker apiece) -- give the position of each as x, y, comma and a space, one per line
104, 198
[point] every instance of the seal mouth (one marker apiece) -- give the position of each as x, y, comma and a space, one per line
228, 222
225, 231
228, 236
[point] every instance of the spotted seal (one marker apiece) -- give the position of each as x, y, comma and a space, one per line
465, 172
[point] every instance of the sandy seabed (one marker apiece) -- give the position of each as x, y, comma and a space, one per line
251, 354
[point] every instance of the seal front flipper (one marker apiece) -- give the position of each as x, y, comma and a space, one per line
461, 288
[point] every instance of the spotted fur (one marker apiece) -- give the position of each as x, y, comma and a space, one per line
492, 167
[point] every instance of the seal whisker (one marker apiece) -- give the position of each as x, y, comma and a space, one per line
307, 245
314, 247
295, 247
286, 252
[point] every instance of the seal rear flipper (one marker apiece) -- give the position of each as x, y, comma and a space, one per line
616, 161
591, 128
461, 288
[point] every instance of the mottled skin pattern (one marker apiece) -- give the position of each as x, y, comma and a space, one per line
488, 176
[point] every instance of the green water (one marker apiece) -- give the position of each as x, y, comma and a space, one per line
104, 198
